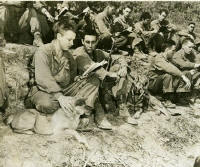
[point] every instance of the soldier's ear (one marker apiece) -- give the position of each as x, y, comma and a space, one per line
82, 41
59, 35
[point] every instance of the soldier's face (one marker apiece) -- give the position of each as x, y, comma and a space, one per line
188, 47
66, 39
191, 27
162, 16
126, 12
147, 21
90, 43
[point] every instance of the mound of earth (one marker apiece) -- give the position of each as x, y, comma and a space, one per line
155, 142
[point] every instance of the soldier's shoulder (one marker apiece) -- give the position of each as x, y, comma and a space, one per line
79, 51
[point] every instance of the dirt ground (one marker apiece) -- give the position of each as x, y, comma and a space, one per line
155, 142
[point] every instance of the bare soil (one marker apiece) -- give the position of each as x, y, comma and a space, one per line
155, 142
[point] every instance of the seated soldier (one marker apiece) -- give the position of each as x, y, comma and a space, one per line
143, 34
53, 70
10, 13
103, 23
165, 31
123, 30
189, 33
167, 80
86, 56
186, 60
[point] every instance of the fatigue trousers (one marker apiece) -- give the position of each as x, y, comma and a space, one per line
168, 84
87, 88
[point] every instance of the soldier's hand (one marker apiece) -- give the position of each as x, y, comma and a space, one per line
130, 29
196, 65
117, 34
123, 72
112, 75
187, 81
50, 18
66, 105
192, 72
190, 36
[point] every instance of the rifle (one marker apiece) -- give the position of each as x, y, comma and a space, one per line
110, 53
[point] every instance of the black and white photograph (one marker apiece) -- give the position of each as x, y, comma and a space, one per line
99, 83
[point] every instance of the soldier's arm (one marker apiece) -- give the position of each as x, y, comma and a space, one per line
166, 66
178, 60
84, 62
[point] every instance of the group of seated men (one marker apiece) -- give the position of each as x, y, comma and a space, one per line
57, 73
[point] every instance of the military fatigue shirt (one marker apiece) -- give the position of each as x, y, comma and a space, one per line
54, 69
163, 26
143, 33
183, 61
160, 66
120, 24
85, 60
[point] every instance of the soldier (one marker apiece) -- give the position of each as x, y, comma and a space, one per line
189, 33
122, 30
10, 13
104, 21
187, 61
144, 33
54, 69
167, 80
165, 31
85, 57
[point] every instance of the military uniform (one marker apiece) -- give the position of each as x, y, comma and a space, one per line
164, 77
103, 25
125, 38
164, 36
144, 34
90, 87
183, 35
187, 62
53, 71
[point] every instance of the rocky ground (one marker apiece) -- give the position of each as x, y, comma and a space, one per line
155, 142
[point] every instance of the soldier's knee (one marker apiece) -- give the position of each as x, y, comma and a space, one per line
167, 77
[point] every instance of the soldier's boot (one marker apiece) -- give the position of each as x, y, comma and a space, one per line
37, 39
100, 117
105, 124
123, 112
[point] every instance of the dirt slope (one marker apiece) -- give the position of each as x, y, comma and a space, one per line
155, 142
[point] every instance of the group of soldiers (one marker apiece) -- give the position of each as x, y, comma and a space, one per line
98, 70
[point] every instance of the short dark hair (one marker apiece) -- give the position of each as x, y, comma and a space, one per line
145, 15
186, 40
87, 30
191, 23
64, 23
164, 10
124, 7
